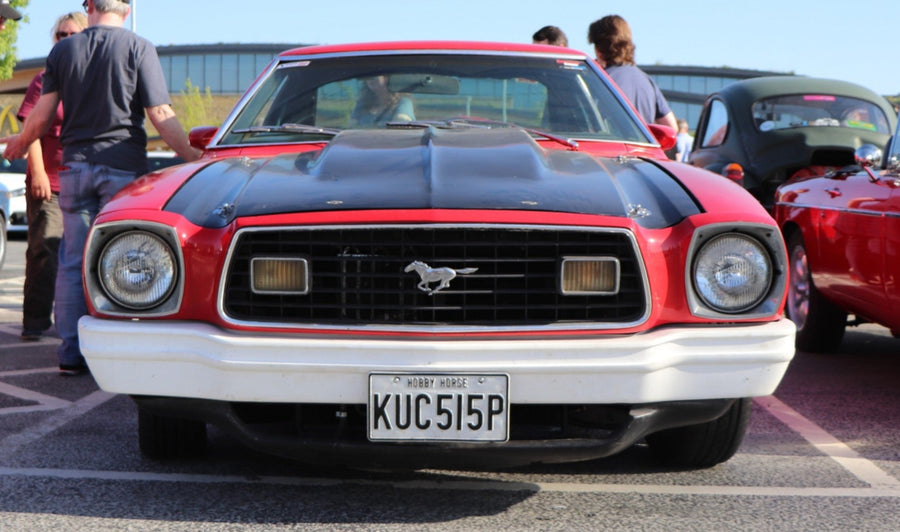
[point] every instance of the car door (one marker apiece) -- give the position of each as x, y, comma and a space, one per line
852, 250
892, 257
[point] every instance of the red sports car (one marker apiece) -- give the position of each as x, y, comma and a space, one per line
438, 253
843, 235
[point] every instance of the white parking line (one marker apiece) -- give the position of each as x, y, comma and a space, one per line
882, 484
29, 371
830, 446
11, 301
18, 344
10, 316
455, 485
12, 443
13, 329
11, 290
45, 402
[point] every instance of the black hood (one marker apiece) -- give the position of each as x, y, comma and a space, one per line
471, 168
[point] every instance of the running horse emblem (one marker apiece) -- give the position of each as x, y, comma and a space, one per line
429, 275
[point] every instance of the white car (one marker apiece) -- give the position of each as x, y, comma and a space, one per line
159, 159
12, 175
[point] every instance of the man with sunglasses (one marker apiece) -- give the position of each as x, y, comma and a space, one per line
107, 78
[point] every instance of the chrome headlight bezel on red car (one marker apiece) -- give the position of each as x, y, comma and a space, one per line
114, 285
736, 271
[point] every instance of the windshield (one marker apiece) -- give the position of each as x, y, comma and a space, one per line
303, 100
818, 110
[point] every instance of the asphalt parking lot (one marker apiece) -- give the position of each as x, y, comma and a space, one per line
823, 453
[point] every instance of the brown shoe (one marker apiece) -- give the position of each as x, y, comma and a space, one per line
31, 335
72, 371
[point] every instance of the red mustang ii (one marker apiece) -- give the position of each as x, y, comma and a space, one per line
432, 253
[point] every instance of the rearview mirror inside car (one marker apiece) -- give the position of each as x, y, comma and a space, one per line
423, 84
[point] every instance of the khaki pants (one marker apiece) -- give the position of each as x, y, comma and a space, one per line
44, 232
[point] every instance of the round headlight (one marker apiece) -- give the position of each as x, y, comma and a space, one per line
137, 270
732, 272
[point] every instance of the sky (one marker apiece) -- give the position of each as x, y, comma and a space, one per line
852, 41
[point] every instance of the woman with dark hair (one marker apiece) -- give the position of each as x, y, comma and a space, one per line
611, 37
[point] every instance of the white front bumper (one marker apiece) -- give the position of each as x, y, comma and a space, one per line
187, 359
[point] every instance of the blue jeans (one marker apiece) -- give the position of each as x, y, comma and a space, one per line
83, 189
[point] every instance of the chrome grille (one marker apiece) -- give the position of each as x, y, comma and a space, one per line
358, 276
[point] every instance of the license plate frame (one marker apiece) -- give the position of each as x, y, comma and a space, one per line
425, 407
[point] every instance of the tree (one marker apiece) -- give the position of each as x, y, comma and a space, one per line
895, 101
8, 41
195, 109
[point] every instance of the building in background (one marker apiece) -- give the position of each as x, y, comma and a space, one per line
686, 87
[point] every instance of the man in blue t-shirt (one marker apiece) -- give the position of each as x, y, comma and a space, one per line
106, 78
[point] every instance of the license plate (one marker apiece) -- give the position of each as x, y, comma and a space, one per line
444, 407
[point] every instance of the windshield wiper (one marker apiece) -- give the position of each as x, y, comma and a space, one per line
300, 129
844, 171
483, 122
451, 123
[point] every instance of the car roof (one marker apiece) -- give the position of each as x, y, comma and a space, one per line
400, 46
742, 94
751, 90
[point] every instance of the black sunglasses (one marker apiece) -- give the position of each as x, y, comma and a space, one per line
85, 5
64, 34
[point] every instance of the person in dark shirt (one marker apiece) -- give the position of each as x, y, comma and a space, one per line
107, 79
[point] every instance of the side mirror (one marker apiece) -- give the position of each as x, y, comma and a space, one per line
664, 135
200, 136
868, 156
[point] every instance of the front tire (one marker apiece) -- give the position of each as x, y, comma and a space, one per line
166, 438
705, 444
820, 323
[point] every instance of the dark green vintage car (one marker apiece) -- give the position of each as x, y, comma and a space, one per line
762, 131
